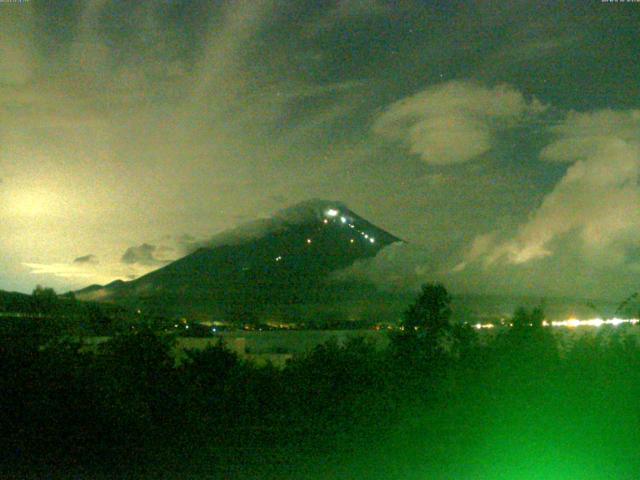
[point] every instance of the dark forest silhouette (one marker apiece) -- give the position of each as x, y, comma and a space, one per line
440, 400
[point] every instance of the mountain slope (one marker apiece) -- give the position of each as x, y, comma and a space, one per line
241, 274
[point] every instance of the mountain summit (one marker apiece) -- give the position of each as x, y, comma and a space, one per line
274, 264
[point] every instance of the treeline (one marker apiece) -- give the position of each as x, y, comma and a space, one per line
49, 314
439, 402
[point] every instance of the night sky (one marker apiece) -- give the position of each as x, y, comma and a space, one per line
500, 139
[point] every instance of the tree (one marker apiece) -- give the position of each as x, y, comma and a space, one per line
523, 318
520, 318
425, 341
431, 311
536, 317
45, 299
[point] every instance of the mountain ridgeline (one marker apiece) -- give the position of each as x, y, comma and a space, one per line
273, 268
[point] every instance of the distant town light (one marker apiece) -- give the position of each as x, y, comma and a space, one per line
308, 240
332, 212
325, 221
372, 239
343, 219
593, 322
351, 241
480, 326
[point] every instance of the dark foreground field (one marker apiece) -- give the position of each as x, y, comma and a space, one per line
511, 409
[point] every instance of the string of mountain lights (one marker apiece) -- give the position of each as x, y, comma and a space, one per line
333, 214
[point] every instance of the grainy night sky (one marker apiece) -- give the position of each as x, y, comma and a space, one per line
501, 139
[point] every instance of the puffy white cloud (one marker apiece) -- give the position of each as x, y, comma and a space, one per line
479, 247
454, 122
398, 266
583, 133
596, 205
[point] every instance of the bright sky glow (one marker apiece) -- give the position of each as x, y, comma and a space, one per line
34, 203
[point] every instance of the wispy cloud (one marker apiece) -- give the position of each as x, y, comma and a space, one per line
62, 270
454, 122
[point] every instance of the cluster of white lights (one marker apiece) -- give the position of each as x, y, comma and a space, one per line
573, 323
332, 212
593, 322
480, 326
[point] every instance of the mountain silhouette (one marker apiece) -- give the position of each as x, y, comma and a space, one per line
279, 264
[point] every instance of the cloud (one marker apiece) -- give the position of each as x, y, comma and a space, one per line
595, 207
142, 255
399, 266
310, 210
92, 259
454, 122
479, 247
581, 134
62, 270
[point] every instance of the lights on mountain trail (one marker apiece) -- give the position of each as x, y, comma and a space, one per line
278, 258
325, 221
332, 212
351, 240
343, 219
372, 240
308, 240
